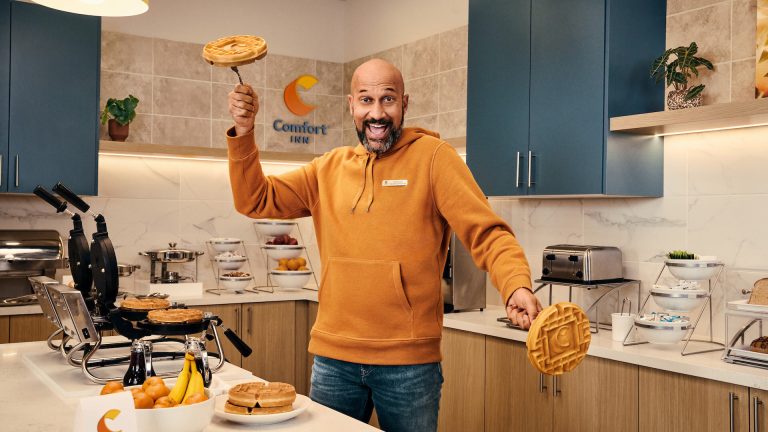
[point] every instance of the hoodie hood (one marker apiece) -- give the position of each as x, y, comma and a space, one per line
367, 158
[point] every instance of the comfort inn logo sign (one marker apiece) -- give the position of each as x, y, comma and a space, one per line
299, 132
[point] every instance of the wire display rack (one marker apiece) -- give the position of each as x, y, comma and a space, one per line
738, 350
631, 337
240, 249
270, 284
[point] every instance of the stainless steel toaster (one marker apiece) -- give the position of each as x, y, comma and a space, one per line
582, 264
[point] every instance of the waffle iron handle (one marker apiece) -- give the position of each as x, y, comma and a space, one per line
71, 197
241, 346
48, 197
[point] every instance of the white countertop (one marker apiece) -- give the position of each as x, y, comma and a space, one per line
708, 365
40, 392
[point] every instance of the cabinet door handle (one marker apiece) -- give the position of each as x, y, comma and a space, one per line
542, 385
248, 311
555, 388
17, 170
530, 164
237, 319
731, 399
517, 171
756, 402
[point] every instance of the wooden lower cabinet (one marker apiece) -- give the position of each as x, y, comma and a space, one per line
758, 415
681, 403
29, 328
5, 330
516, 398
270, 330
598, 396
230, 317
462, 404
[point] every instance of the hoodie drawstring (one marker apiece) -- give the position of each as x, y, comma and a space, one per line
367, 174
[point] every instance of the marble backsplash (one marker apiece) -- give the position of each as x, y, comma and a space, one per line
150, 202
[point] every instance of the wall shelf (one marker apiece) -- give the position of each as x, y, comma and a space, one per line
705, 118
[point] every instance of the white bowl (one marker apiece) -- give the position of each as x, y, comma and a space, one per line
663, 333
235, 282
273, 228
230, 262
291, 280
181, 418
277, 252
224, 244
697, 269
679, 300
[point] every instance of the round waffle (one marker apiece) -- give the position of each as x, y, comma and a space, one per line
175, 316
235, 50
144, 304
256, 398
558, 339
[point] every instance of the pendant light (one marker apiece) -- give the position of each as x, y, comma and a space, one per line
105, 8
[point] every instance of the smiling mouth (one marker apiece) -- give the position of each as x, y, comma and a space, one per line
377, 131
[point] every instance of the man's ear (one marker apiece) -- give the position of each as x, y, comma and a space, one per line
349, 101
405, 103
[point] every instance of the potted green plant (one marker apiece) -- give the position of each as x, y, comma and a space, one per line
119, 113
677, 73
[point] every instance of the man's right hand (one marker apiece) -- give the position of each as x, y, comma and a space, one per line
243, 105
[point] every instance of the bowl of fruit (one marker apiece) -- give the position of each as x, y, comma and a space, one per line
187, 406
687, 266
273, 227
291, 274
278, 252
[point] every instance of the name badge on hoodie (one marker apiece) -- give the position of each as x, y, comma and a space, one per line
394, 183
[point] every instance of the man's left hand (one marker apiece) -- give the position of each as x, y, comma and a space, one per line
523, 307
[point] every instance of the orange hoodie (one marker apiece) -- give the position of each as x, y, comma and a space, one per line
383, 225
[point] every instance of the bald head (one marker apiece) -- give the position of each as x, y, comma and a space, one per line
378, 104
377, 72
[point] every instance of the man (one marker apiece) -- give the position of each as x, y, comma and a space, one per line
383, 213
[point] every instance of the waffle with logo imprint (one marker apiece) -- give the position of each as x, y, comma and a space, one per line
235, 50
558, 338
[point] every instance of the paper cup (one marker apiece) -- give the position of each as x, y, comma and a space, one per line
621, 325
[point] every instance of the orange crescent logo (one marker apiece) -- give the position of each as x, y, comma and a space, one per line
102, 425
291, 95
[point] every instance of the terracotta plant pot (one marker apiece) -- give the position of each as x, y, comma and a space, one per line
117, 131
676, 100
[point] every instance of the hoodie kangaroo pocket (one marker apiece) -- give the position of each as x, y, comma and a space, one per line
364, 299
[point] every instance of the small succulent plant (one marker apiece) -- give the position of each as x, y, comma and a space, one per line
681, 254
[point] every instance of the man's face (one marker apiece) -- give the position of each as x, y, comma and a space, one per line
378, 106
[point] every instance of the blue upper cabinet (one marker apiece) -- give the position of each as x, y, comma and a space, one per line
5, 73
587, 61
53, 93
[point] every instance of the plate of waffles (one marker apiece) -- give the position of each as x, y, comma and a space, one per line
260, 403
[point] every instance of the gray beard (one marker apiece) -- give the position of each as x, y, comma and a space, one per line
389, 141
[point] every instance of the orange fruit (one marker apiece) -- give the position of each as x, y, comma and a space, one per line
152, 381
293, 264
195, 398
281, 268
112, 387
302, 261
283, 262
157, 390
142, 400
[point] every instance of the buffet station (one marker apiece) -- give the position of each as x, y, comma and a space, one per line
145, 356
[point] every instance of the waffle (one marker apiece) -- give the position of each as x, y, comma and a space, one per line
144, 304
256, 398
175, 316
235, 50
558, 339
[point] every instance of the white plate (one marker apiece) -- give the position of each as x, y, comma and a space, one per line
299, 406
743, 305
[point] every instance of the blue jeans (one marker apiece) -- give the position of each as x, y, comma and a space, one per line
406, 398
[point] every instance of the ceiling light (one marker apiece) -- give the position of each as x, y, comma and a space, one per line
106, 8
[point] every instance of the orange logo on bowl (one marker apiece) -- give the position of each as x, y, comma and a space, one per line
291, 95
102, 425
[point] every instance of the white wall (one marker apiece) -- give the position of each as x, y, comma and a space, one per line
374, 25
330, 30
300, 28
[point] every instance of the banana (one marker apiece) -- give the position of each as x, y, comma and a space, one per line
182, 382
196, 384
